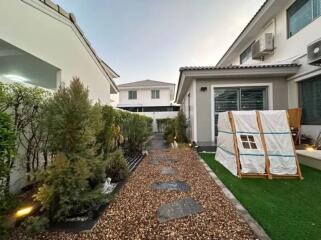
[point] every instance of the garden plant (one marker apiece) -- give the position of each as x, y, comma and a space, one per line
67, 145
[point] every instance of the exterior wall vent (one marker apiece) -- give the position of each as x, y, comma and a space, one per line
314, 53
263, 46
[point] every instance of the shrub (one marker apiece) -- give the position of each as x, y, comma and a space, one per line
176, 129
25, 108
66, 189
104, 137
7, 153
35, 224
138, 132
169, 132
68, 120
180, 128
116, 167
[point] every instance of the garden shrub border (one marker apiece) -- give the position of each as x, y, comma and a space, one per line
119, 127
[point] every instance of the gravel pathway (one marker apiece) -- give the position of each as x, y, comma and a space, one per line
133, 213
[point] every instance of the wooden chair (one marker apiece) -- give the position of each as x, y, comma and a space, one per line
295, 115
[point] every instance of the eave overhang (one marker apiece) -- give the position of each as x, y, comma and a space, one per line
187, 74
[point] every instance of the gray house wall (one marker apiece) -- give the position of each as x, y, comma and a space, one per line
203, 100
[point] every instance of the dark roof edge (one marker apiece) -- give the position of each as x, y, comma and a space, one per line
232, 67
193, 68
72, 19
121, 85
245, 28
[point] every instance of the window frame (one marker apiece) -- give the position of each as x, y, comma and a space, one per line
249, 48
300, 99
130, 95
288, 18
248, 141
155, 91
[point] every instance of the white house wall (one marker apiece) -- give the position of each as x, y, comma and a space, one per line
144, 97
191, 120
44, 33
288, 50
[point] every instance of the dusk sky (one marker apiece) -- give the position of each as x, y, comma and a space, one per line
152, 39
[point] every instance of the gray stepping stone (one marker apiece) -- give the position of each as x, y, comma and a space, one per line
154, 161
178, 209
169, 160
171, 186
168, 171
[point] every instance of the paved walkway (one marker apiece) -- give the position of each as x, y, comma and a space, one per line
157, 142
169, 196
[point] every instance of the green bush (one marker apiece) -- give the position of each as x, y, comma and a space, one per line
25, 106
176, 129
68, 120
116, 166
138, 131
35, 224
66, 190
104, 137
7, 152
180, 128
169, 132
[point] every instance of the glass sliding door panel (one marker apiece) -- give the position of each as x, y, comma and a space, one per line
238, 99
252, 99
225, 99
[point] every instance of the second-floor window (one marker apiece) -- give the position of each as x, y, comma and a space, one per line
301, 13
155, 94
132, 95
246, 54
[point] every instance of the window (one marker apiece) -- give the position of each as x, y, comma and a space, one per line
132, 95
248, 142
246, 54
310, 99
301, 13
155, 94
239, 99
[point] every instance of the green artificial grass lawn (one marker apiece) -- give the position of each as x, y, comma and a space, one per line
286, 209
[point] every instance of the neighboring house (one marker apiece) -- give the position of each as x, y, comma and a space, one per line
42, 45
150, 98
268, 66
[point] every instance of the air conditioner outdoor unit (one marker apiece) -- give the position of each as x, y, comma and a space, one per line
263, 46
314, 53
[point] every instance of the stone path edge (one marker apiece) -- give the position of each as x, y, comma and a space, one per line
256, 227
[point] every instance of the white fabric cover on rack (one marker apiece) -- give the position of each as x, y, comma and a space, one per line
279, 144
225, 153
278, 139
252, 160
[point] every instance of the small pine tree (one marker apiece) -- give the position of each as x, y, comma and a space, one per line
68, 120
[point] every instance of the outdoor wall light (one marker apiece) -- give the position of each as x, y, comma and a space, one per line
24, 212
203, 89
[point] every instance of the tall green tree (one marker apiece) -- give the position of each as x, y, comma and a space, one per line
68, 120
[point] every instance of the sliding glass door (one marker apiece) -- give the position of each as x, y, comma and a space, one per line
238, 99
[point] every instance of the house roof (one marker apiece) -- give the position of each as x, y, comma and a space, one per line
146, 83
108, 70
195, 72
192, 68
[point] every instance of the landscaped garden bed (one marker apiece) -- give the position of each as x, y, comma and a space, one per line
74, 157
286, 209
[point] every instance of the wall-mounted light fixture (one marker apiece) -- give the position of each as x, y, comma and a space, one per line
203, 89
